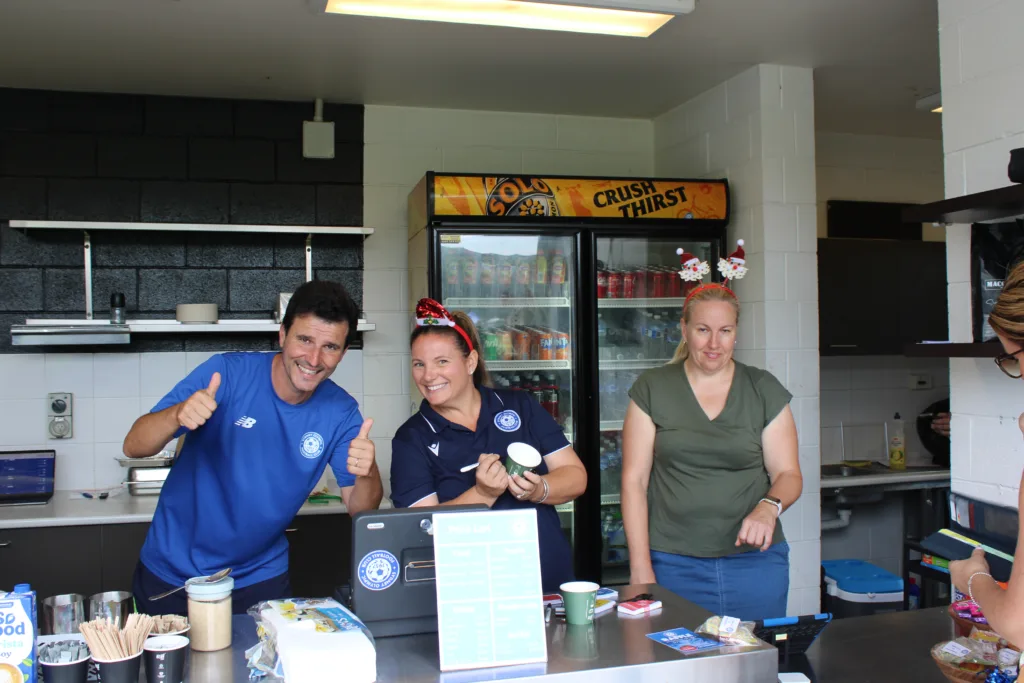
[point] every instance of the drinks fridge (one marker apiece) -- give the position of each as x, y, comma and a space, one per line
574, 286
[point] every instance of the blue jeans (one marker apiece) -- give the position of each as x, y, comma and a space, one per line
751, 586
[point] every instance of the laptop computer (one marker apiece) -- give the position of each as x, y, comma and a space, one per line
26, 476
393, 583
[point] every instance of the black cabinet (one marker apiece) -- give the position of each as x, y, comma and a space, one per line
121, 545
877, 296
319, 554
54, 560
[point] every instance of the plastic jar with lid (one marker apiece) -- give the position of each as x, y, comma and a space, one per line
209, 613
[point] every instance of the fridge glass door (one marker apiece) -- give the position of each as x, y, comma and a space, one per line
518, 289
639, 304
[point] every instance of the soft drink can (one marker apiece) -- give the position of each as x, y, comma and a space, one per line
628, 285
492, 345
506, 353
470, 277
675, 283
658, 284
640, 283
602, 284
546, 344
521, 344
614, 284
561, 346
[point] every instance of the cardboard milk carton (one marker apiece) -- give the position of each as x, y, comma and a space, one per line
18, 635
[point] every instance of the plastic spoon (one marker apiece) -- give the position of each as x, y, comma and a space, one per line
468, 468
207, 579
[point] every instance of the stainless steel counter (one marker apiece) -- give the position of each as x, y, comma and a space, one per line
887, 648
615, 648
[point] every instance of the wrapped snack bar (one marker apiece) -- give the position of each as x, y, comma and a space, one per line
311, 640
729, 630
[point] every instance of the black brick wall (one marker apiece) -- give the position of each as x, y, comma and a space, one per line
96, 157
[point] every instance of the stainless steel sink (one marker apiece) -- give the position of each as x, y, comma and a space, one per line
842, 470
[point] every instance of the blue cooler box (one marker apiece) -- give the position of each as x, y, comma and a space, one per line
856, 588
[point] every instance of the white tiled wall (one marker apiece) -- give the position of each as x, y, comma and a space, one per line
109, 392
401, 145
982, 70
875, 535
757, 130
877, 168
859, 393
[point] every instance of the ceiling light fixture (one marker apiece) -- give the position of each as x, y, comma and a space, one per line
932, 103
632, 18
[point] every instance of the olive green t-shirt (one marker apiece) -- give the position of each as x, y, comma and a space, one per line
707, 474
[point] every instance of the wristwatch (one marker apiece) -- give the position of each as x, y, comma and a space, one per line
773, 501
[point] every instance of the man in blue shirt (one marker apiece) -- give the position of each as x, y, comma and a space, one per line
261, 429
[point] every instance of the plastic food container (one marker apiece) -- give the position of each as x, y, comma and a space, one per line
209, 613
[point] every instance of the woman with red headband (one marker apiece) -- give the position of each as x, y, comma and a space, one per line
452, 451
709, 463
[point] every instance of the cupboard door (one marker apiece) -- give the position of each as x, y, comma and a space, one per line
925, 309
121, 545
54, 560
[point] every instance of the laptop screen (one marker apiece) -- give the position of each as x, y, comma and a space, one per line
26, 475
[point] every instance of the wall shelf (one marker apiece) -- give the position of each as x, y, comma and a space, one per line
980, 207
952, 350
51, 332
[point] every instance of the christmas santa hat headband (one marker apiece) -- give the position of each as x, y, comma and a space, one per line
430, 313
731, 268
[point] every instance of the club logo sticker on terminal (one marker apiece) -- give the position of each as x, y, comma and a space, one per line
312, 445
378, 570
507, 421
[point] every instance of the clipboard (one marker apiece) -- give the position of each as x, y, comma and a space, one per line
958, 545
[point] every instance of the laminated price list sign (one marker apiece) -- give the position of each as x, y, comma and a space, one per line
490, 609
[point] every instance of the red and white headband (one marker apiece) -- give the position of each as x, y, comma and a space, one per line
731, 268
430, 313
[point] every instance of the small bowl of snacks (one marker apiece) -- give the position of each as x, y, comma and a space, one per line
169, 625
973, 658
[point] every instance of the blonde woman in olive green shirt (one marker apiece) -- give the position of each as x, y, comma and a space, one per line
709, 464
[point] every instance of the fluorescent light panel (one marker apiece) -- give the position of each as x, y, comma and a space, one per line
510, 13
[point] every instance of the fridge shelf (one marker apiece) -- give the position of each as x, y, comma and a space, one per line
611, 425
493, 302
635, 364
503, 365
661, 302
609, 499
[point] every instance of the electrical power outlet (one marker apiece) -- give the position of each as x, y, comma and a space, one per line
919, 382
58, 415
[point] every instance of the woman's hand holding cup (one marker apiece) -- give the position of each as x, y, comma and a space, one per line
525, 486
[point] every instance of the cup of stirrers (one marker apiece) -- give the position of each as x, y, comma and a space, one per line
117, 651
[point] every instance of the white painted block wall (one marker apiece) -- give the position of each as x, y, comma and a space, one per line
110, 391
982, 68
757, 130
401, 145
878, 168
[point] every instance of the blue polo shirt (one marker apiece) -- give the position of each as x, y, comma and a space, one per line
241, 478
428, 451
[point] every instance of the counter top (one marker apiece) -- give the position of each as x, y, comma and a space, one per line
895, 647
619, 645
898, 477
68, 508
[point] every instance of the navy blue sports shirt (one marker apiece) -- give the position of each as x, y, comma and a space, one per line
428, 451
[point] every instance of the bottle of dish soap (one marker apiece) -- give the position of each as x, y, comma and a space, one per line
897, 447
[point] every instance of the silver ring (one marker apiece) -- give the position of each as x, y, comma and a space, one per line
521, 496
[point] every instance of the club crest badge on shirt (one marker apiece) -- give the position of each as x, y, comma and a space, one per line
378, 570
311, 446
507, 421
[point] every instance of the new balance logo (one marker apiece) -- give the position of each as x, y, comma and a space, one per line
434, 448
246, 422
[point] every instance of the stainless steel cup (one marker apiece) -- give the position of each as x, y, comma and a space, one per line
112, 605
62, 614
